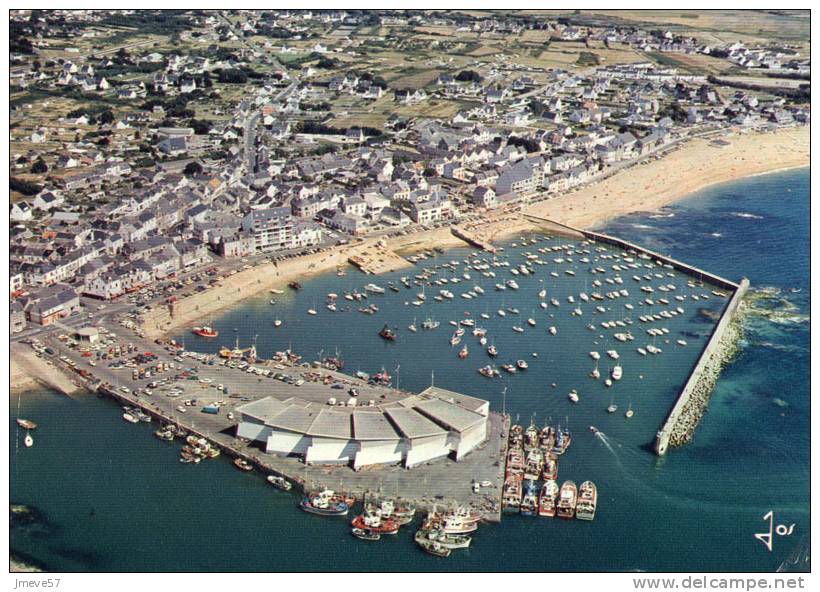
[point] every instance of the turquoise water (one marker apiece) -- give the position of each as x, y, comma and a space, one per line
111, 497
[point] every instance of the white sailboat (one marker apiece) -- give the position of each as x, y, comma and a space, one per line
28, 440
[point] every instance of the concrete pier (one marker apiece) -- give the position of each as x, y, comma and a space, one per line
472, 238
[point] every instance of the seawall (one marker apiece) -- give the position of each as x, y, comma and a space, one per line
682, 420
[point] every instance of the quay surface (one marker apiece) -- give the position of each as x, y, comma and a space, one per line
377, 259
472, 238
683, 418
442, 482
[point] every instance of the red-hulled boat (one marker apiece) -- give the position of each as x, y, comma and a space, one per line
205, 331
374, 522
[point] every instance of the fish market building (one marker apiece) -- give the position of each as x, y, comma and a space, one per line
433, 424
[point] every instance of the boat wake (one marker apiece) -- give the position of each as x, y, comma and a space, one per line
746, 215
669, 215
643, 226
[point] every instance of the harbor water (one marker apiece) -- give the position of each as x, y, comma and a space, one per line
107, 496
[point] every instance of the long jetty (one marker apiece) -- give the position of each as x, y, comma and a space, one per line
682, 419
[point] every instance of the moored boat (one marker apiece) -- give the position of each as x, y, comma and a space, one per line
433, 547
280, 482
324, 503
547, 498
567, 500
375, 522
448, 541
387, 333
205, 331
242, 464
529, 503
587, 501
365, 535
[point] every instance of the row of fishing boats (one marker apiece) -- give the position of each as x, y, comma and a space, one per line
440, 533
532, 456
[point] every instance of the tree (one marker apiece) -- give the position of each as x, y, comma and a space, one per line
39, 167
24, 187
192, 168
106, 117
468, 76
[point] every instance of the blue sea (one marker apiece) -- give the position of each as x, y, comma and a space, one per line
108, 496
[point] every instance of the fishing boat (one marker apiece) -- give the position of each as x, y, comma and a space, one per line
449, 541
455, 523
26, 424
365, 534
550, 470
534, 464
464, 352
237, 352
562, 441
547, 498
567, 500
280, 482
130, 418
387, 333
375, 522
522, 364
529, 503
492, 351
511, 494
433, 547
587, 501
242, 464
205, 331
324, 503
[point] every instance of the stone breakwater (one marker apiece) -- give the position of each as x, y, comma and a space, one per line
693, 410
683, 419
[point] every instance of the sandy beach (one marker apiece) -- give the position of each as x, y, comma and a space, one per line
691, 167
